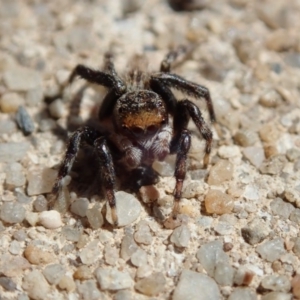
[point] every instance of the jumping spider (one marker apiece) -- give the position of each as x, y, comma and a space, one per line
136, 131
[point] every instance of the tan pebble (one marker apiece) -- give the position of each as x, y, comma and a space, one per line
220, 172
189, 210
67, 283
149, 193
83, 273
10, 102
269, 133
151, 285
216, 202
38, 256
270, 150
296, 286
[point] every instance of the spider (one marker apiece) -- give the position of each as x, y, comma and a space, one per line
137, 130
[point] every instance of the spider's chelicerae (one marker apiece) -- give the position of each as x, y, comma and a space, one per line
136, 131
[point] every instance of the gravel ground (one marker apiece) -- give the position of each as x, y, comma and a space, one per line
238, 232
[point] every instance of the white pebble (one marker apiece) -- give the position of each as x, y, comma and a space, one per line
50, 219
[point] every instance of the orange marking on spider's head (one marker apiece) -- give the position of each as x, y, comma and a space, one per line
143, 119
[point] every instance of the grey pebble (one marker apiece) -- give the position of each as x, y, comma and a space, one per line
151, 285
10, 152
128, 246
255, 232
20, 235
193, 285
70, 233
24, 121
7, 126
242, 293
276, 283
88, 290
7, 283
14, 175
53, 273
143, 234
181, 236
40, 203
34, 97
277, 296
79, 207
95, 217
271, 250
281, 208
273, 165
12, 212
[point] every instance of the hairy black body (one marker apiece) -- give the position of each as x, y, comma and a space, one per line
135, 115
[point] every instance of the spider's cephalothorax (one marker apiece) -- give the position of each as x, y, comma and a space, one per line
135, 115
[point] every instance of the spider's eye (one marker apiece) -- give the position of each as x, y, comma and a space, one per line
163, 122
137, 130
151, 129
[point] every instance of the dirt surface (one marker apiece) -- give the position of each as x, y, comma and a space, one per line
238, 235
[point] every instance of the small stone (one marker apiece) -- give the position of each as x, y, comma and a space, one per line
181, 236
88, 290
20, 235
292, 195
128, 246
111, 254
281, 208
165, 168
50, 219
144, 271
40, 203
79, 207
32, 218
83, 273
40, 181
143, 234
47, 125
24, 121
124, 295
151, 285
113, 279
273, 165
10, 102
21, 197
95, 217
220, 172
67, 283
255, 232
149, 193
295, 216
217, 202
22, 79
242, 294
38, 256
293, 154
255, 155
270, 99
34, 290
280, 40
34, 97
276, 283
10, 152
245, 137
128, 209
271, 250
193, 285
224, 228
296, 286
229, 151
90, 253
12, 212
276, 296
14, 175
70, 233
7, 126
57, 109
296, 248
54, 273
139, 257
269, 133
193, 189
243, 276
7, 284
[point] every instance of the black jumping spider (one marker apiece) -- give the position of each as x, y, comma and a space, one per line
135, 119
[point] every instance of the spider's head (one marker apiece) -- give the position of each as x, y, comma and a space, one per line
140, 114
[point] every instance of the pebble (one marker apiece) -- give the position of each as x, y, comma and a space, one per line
83, 273
113, 279
54, 273
245, 137
10, 102
79, 207
281, 208
181, 236
243, 276
22, 79
50, 219
216, 202
38, 256
111, 254
220, 172
40, 181
90, 253
47, 125
143, 234
280, 40
139, 258
12, 265
14, 175
296, 248
124, 295
276, 296
269, 133
67, 283
292, 195
193, 285
193, 189
20, 235
228, 151
271, 250
12, 212
57, 109
149, 193
273, 165
88, 290
255, 155
24, 121
293, 154
242, 294
255, 231
95, 217
32, 218
216, 262
165, 168
10, 152
34, 97
70, 233
270, 99
151, 285
128, 209
40, 203
7, 126
224, 228
296, 285
128, 246
7, 284
276, 283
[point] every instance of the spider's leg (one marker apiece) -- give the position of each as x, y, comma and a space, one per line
173, 56
187, 87
185, 110
109, 66
183, 144
107, 174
